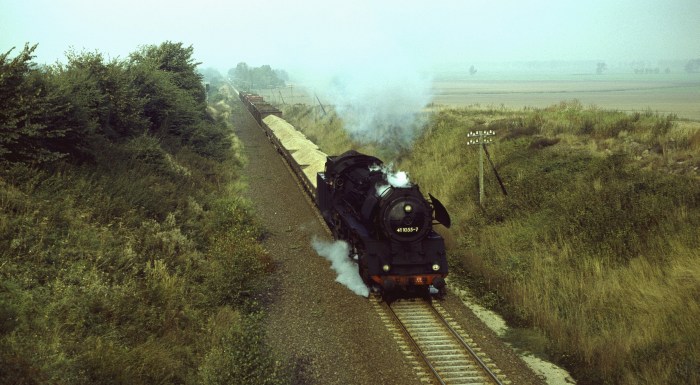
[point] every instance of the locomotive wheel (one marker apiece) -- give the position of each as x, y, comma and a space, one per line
364, 274
441, 294
390, 292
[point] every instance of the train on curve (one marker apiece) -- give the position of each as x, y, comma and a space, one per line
386, 221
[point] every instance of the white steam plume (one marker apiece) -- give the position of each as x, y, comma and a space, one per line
378, 88
348, 271
382, 105
395, 179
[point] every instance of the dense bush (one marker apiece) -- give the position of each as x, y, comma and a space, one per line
58, 111
29, 102
126, 252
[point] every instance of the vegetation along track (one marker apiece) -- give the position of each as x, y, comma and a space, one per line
439, 352
450, 357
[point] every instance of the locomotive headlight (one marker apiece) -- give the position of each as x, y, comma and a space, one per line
386, 268
436, 267
408, 208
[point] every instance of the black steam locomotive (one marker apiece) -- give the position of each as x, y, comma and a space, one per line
389, 228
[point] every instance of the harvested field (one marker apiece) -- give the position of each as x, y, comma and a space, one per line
663, 93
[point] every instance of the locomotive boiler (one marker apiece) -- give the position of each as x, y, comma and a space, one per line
387, 223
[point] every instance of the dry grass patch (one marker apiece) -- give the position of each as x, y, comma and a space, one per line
596, 243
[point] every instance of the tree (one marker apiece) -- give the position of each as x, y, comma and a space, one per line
601, 66
213, 77
245, 77
27, 100
177, 60
167, 79
241, 76
102, 95
170, 109
693, 66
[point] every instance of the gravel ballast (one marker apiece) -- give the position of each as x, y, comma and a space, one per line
311, 317
337, 335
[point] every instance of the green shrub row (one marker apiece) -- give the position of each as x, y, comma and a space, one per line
127, 255
57, 111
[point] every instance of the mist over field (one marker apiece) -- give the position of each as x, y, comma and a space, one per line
366, 57
376, 39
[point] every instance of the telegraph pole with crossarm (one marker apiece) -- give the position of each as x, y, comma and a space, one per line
481, 138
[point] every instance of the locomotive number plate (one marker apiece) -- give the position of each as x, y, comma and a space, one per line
407, 229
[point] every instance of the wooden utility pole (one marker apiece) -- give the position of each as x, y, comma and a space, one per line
320, 104
481, 138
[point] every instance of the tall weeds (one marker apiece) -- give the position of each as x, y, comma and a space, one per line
595, 244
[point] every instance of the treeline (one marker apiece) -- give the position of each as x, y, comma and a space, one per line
693, 66
64, 110
126, 253
247, 78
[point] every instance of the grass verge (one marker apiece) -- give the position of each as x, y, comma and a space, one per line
142, 267
595, 245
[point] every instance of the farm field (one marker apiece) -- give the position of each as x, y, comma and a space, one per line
664, 93
677, 94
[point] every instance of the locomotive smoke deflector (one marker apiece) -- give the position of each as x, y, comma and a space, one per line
441, 214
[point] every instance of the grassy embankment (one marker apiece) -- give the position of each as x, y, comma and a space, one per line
595, 247
126, 253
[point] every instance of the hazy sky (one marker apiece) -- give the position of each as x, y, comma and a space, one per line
308, 33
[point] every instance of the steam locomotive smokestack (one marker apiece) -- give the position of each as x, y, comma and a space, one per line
348, 271
394, 179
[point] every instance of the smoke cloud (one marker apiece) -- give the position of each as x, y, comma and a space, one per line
378, 89
348, 271
382, 105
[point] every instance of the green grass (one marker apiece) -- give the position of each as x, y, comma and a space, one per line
595, 245
143, 267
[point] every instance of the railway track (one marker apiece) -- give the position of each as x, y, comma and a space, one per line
447, 354
440, 352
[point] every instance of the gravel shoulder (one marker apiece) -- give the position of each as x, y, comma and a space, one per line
311, 317
338, 335
505, 359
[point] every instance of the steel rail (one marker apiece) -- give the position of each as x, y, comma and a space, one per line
416, 346
464, 343
440, 323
